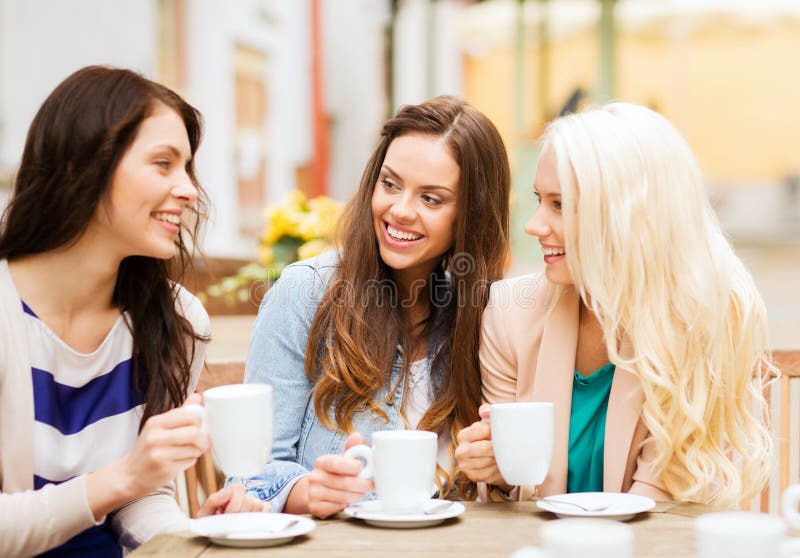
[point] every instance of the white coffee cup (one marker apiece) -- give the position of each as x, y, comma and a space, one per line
578, 538
791, 500
522, 437
403, 464
238, 419
737, 534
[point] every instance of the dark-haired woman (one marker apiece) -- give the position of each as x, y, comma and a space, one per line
98, 346
384, 334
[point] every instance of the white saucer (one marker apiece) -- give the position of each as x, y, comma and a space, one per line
251, 529
370, 512
621, 507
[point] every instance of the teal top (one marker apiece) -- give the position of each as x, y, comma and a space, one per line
587, 429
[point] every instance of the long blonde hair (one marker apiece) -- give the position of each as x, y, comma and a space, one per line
643, 241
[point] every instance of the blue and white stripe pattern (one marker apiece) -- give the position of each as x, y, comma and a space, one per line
86, 411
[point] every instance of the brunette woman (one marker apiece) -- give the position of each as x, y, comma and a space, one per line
384, 333
99, 346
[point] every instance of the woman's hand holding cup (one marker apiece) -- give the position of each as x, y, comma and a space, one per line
334, 482
238, 419
514, 449
403, 465
475, 452
168, 444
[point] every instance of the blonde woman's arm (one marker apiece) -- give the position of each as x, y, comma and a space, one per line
646, 481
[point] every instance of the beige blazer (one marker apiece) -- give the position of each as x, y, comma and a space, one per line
528, 354
32, 521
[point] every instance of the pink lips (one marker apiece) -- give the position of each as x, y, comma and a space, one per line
552, 259
393, 242
169, 227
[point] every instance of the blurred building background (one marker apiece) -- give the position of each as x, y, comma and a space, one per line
294, 92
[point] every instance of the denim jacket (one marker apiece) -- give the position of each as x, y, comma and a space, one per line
277, 357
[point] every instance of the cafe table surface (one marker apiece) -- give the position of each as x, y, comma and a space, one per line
486, 530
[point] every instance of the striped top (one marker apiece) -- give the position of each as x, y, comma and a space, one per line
86, 414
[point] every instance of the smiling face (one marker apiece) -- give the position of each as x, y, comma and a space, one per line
547, 224
414, 205
149, 190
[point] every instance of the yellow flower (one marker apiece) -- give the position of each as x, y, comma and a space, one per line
279, 222
312, 248
323, 205
309, 227
265, 255
327, 212
297, 217
295, 198
298, 220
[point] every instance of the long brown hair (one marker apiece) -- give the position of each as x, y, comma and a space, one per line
355, 332
74, 144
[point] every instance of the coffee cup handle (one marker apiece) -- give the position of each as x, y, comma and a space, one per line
199, 411
791, 498
363, 453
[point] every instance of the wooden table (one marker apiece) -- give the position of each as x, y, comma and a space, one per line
484, 530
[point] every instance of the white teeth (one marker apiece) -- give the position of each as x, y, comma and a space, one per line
399, 235
553, 251
168, 217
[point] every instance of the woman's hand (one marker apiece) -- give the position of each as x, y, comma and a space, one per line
331, 486
475, 453
231, 499
168, 444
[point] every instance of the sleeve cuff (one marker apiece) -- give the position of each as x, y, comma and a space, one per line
66, 505
274, 484
491, 493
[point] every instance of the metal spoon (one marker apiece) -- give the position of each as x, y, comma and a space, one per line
595, 508
438, 507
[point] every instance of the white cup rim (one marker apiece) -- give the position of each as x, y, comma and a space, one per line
592, 529
237, 391
408, 435
739, 523
523, 405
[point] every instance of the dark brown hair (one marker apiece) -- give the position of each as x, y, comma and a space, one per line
352, 344
74, 144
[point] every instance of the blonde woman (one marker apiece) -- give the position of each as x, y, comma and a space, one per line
645, 329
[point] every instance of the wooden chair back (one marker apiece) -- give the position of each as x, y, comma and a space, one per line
783, 396
203, 478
